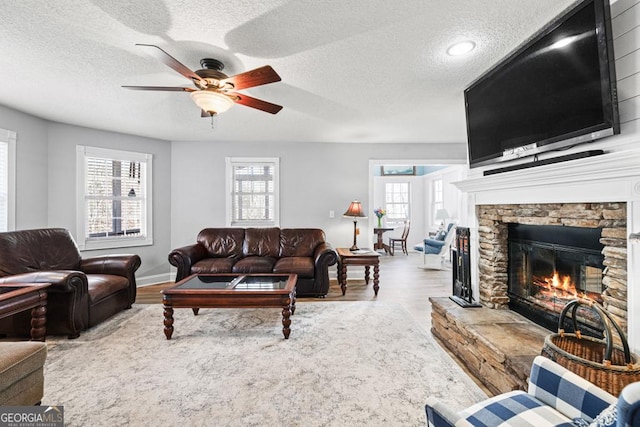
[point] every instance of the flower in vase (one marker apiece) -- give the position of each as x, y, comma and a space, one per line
379, 213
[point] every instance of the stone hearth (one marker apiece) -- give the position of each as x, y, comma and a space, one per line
496, 346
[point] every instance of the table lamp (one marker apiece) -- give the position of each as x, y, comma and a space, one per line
354, 211
442, 215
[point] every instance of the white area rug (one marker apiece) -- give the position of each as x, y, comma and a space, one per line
345, 364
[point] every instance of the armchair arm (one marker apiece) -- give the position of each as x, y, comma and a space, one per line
67, 299
434, 242
629, 405
183, 258
439, 414
61, 280
119, 265
568, 393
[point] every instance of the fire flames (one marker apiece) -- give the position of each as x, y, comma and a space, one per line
558, 286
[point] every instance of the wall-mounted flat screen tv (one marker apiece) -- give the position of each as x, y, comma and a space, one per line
555, 91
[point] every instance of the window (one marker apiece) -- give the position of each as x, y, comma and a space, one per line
252, 196
7, 179
114, 198
438, 198
396, 202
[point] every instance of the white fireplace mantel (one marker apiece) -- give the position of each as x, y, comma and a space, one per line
611, 177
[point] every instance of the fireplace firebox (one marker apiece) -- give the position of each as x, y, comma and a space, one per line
551, 265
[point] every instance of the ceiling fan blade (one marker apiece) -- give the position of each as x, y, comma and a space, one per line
161, 88
170, 61
259, 104
257, 77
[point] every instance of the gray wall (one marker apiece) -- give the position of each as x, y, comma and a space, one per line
46, 180
314, 179
32, 167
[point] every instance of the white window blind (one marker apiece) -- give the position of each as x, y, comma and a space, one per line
115, 202
253, 191
7, 179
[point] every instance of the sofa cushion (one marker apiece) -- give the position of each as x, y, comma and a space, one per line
104, 285
222, 242
25, 251
213, 266
297, 242
512, 408
254, 264
261, 242
302, 266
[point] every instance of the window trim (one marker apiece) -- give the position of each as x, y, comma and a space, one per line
10, 137
398, 221
83, 241
233, 161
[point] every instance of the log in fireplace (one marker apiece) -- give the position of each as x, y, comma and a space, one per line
548, 266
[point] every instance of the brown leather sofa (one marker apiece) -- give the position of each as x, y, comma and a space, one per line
83, 292
303, 251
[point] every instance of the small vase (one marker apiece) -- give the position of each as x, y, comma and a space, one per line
379, 222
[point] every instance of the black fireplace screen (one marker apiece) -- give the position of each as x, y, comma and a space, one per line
551, 265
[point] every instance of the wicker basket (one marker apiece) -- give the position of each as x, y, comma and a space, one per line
599, 361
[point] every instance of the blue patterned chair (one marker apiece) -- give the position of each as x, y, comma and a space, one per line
556, 397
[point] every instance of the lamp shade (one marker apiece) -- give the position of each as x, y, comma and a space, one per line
442, 214
355, 210
211, 102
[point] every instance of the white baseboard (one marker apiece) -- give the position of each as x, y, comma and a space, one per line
155, 279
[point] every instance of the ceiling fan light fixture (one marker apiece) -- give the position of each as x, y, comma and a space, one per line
212, 102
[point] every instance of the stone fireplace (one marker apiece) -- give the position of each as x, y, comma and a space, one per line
600, 194
606, 220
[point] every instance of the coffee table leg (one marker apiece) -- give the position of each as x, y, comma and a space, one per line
286, 320
366, 274
195, 311
343, 278
168, 322
38, 323
375, 279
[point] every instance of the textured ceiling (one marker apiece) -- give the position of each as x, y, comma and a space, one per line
352, 71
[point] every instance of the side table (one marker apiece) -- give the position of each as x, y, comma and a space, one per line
18, 297
363, 257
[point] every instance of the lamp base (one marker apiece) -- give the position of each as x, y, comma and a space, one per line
354, 248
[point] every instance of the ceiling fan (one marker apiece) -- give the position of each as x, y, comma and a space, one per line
214, 91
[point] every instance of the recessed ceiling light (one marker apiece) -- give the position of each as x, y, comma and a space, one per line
461, 48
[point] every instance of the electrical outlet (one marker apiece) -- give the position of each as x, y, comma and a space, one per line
332, 214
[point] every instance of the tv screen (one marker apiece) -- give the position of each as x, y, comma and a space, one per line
555, 91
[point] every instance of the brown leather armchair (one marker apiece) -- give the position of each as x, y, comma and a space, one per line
83, 292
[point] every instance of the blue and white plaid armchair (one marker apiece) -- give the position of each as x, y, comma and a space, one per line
556, 397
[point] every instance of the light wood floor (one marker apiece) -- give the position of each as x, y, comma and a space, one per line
402, 281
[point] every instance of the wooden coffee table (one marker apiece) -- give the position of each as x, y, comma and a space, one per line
363, 257
231, 291
18, 297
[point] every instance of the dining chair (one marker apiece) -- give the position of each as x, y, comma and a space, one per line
393, 241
